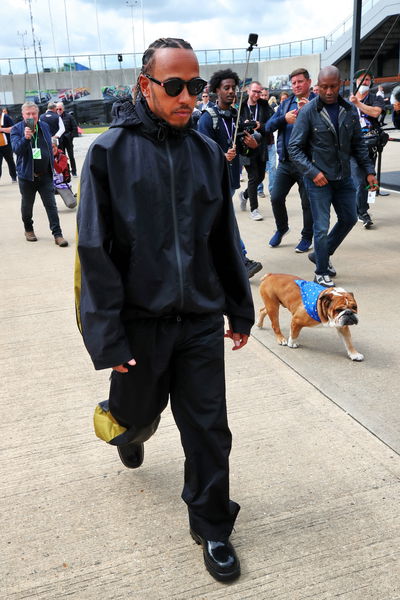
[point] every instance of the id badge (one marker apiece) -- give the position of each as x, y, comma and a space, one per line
371, 197
36, 153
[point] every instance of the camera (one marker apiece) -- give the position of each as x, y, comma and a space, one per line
248, 126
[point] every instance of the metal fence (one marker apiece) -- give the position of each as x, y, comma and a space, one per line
348, 23
100, 62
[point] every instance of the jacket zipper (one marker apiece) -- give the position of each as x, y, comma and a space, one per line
175, 222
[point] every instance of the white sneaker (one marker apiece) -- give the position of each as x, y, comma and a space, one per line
324, 280
256, 215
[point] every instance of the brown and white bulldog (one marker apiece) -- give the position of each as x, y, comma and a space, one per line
334, 307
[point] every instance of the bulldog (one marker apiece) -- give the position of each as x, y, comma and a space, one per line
310, 305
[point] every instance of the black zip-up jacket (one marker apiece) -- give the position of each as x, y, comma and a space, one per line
71, 128
157, 235
315, 147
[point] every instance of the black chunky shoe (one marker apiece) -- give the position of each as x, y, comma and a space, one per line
219, 557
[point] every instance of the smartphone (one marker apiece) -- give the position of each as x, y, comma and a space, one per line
30, 123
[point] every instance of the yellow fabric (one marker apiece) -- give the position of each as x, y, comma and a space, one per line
77, 275
3, 138
105, 426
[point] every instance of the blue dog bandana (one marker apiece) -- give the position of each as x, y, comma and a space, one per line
310, 292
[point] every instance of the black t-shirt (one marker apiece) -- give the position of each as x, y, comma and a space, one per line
41, 165
368, 123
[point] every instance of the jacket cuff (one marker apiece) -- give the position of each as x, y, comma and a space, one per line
240, 325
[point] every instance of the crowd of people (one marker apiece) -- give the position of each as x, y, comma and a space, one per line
269, 121
160, 260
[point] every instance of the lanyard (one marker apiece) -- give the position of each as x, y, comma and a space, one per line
229, 133
255, 112
35, 138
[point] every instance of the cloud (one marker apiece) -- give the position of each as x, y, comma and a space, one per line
207, 24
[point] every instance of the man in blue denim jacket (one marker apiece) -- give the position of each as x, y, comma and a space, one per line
326, 134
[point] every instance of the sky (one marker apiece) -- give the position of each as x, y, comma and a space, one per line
206, 24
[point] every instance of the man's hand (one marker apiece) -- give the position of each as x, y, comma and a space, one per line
249, 141
396, 106
302, 102
373, 183
239, 339
354, 99
231, 154
122, 369
291, 116
320, 180
28, 133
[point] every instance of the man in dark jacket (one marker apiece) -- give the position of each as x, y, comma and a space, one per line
6, 152
325, 136
218, 123
35, 161
287, 174
258, 110
66, 143
160, 264
53, 121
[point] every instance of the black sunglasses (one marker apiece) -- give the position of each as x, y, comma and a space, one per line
175, 85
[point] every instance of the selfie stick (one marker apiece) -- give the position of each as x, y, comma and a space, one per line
252, 41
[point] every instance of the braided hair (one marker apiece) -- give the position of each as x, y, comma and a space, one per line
149, 56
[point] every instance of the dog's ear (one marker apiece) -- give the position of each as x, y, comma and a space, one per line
324, 302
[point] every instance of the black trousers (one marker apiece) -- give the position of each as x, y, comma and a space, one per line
183, 358
285, 178
67, 144
7, 153
256, 173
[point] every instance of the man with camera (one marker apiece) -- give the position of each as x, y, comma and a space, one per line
31, 142
218, 123
255, 112
369, 107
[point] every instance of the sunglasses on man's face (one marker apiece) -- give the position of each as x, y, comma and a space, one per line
175, 85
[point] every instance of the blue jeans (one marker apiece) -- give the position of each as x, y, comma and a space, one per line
28, 189
286, 176
270, 169
342, 196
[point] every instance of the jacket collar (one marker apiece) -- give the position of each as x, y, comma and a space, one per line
138, 114
341, 101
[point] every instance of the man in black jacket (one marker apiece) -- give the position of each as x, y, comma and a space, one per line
53, 121
160, 264
258, 110
325, 136
218, 123
66, 143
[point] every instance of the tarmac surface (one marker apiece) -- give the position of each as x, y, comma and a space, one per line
316, 437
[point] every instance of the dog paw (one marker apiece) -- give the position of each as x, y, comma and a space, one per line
282, 342
292, 343
357, 356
